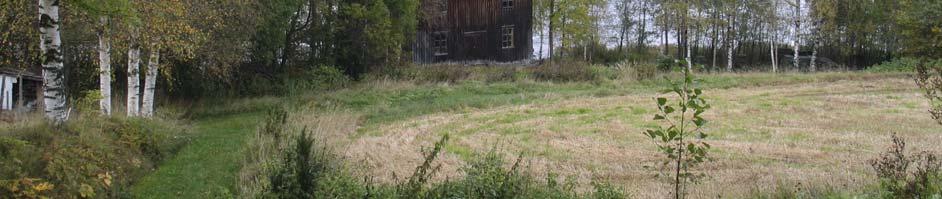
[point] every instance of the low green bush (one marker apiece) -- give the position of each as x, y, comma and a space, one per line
318, 78
89, 157
905, 64
567, 71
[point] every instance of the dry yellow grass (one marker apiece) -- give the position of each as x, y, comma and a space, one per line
806, 136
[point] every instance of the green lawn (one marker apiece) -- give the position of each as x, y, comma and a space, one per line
206, 168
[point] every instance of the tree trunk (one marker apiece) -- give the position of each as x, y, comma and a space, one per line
797, 34
714, 38
772, 54
134, 81
731, 43
54, 95
104, 61
150, 83
642, 33
542, 37
729, 55
552, 15
686, 35
772, 25
814, 56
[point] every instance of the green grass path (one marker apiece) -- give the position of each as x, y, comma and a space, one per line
208, 166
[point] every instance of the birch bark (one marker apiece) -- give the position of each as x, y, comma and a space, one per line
54, 95
150, 84
134, 81
104, 72
797, 33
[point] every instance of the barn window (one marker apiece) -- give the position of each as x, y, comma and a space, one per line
507, 4
440, 43
507, 37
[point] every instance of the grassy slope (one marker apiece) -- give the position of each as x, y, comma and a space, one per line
208, 166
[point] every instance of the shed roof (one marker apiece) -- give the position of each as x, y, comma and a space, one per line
26, 74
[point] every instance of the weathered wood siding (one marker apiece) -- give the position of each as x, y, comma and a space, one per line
474, 32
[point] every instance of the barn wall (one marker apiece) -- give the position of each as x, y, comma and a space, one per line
474, 32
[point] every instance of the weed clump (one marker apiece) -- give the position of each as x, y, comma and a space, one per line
905, 175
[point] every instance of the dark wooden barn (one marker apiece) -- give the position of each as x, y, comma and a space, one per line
470, 30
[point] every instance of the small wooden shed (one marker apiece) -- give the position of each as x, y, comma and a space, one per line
19, 89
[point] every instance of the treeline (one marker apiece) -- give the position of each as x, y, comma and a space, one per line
767, 35
197, 48
187, 49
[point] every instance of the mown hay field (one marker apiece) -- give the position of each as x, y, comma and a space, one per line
807, 133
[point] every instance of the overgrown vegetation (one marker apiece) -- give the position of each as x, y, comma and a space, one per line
285, 163
929, 79
905, 64
88, 157
908, 175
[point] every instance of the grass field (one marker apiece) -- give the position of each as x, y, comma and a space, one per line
206, 168
804, 133
810, 133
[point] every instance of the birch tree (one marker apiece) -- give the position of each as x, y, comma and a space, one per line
54, 95
731, 41
104, 61
150, 84
773, 19
134, 72
105, 12
796, 37
167, 25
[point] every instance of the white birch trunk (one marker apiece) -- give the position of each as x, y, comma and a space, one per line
54, 95
104, 73
797, 32
773, 57
773, 25
729, 55
134, 81
150, 84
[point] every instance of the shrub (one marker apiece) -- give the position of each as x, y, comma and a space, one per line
905, 64
908, 175
318, 78
88, 156
636, 71
565, 71
450, 73
492, 74
929, 79
283, 163
88, 102
666, 63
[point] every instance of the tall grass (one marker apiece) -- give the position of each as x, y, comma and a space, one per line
90, 156
282, 162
